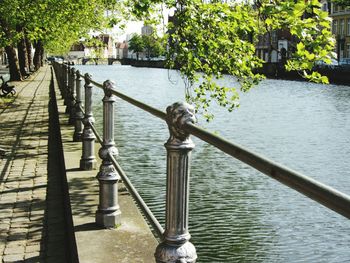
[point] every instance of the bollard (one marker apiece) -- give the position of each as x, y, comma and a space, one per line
175, 245
78, 117
108, 213
88, 160
61, 76
65, 83
71, 119
69, 92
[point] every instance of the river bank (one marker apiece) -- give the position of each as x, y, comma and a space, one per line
340, 76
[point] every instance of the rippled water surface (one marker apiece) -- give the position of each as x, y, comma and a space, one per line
236, 213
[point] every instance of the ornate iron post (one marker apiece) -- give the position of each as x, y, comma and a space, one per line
78, 116
65, 83
88, 160
175, 246
69, 91
108, 213
71, 96
62, 87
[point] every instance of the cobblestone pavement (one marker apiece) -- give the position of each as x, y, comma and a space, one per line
25, 230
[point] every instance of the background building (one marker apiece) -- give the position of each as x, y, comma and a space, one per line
275, 46
121, 50
341, 29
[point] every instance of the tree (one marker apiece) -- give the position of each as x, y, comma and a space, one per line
51, 24
136, 45
9, 35
344, 3
154, 46
207, 38
211, 38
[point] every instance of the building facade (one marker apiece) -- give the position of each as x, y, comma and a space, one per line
121, 50
107, 50
341, 29
275, 46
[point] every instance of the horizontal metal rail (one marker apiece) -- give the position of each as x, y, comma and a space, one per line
317, 191
98, 137
323, 194
132, 190
156, 112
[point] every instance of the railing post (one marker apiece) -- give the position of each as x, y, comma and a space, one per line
71, 96
108, 213
175, 246
78, 117
65, 84
62, 82
88, 160
69, 92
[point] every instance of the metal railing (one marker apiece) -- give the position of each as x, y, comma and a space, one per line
174, 245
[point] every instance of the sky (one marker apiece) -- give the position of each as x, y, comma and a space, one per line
134, 27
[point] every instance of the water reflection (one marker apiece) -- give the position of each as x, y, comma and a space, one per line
236, 213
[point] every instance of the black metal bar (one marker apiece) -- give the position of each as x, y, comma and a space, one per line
99, 85
158, 113
315, 190
98, 137
132, 190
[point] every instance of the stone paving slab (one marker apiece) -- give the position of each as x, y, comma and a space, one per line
32, 215
24, 172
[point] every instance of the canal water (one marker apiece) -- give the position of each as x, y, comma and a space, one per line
236, 213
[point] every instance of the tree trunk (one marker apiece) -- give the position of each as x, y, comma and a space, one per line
42, 55
29, 53
22, 56
15, 72
37, 55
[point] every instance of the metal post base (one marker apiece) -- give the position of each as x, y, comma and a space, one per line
77, 137
108, 220
68, 107
171, 253
71, 119
87, 165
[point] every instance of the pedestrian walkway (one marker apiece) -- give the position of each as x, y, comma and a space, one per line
25, 210
39, 221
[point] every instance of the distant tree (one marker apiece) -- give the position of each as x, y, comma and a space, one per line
154, 46
136, 45
342, 2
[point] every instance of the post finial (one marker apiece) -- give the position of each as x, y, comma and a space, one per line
87, 78
108, 86
178, 114
78, 74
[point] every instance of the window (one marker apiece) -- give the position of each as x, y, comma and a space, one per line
335, 8
348, 27
335, 27
341, 27
274, 36
324, 7
348, 50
